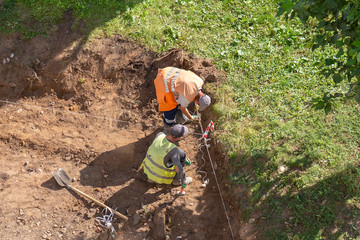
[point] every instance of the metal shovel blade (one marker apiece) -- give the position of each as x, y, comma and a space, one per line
64, 177
58, 179
61, 178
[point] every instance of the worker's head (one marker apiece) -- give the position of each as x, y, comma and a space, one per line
202, 100
178, 130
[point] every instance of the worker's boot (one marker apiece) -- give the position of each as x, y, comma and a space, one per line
150, 181
181, 118
176, 182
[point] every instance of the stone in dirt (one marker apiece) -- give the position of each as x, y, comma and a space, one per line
91, 213
137, 218
158, 227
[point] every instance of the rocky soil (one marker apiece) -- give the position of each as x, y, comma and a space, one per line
91, 110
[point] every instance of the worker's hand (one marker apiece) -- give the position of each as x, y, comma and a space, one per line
187, 162
195, 117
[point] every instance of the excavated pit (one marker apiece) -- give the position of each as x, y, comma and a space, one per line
91, 109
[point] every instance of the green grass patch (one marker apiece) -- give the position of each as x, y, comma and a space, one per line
300, 165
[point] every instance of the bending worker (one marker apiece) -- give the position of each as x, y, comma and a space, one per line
176, 89
164, 162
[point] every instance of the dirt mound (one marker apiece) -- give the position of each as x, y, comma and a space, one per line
91, 109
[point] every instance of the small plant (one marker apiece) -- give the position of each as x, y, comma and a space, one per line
81, 80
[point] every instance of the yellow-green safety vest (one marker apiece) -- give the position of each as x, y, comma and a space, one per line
153, 163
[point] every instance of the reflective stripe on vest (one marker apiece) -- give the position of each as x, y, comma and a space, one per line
157, 175
159, 166
153, 163
172, 84
167, 78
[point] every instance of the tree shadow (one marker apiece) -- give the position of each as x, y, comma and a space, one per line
325, 209
35, 66
328, 206
257, 168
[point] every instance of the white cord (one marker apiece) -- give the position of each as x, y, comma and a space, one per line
216, 180
204, 180
105, 220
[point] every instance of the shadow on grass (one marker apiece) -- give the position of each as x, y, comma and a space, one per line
32, 65
34, 18
328, 207
285, 210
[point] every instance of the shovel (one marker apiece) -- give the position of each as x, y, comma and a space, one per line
63, 180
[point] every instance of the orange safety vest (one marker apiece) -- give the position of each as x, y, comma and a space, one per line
172, 81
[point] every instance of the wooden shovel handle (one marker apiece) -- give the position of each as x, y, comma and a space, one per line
98, 202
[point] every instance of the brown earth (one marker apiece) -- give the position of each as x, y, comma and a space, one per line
91, 110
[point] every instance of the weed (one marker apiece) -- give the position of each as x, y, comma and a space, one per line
81, 80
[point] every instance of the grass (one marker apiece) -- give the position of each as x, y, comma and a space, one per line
300, 166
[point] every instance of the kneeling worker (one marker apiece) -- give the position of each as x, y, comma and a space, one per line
164, 162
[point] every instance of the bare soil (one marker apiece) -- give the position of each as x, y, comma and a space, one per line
91, 110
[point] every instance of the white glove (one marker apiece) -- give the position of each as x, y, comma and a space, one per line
188, 180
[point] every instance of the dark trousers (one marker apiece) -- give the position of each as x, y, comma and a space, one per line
169, 116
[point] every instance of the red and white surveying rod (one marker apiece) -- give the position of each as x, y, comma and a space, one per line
208, 128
